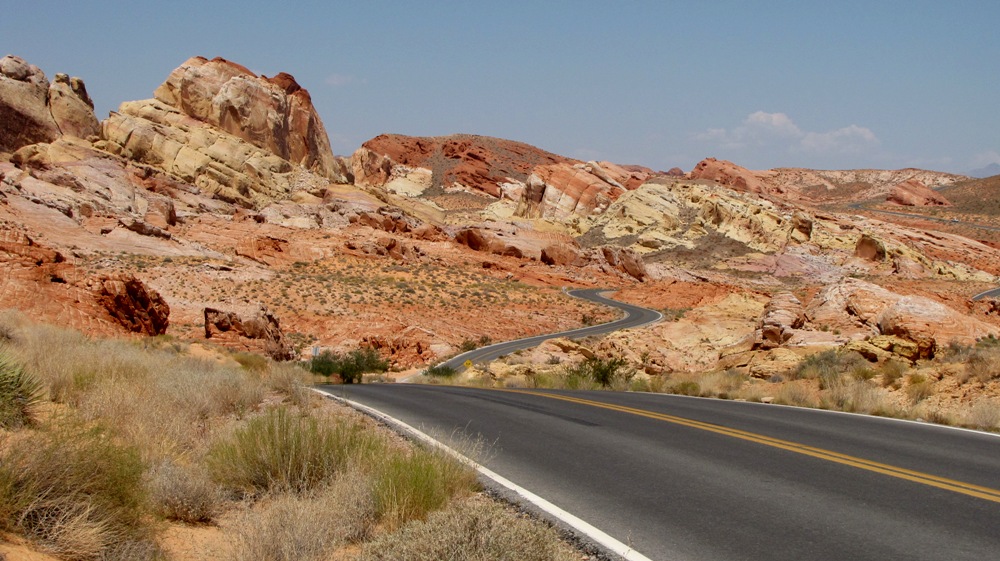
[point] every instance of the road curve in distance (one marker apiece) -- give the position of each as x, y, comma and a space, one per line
635, 316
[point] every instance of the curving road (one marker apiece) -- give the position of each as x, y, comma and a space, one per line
635, 316
707, 479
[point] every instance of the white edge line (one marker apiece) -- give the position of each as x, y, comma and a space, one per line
593, 533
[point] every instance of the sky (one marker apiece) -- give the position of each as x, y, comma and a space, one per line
823, 85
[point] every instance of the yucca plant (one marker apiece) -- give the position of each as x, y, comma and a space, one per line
20, 392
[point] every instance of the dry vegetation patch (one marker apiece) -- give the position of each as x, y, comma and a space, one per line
139, 437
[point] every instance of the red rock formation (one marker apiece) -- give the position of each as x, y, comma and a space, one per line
915, 193
261, 326
136, 307
731, 175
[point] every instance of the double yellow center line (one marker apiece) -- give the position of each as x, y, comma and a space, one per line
829, 455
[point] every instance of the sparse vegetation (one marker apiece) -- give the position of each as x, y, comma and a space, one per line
350, 367
131, 447
605, 372
440, 371
20, 393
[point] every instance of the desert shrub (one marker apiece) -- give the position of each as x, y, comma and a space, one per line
409, 486
470, 530
892, 371
251, 362
983, 364
796, 393
828, 367
919, 388
74, 490
184, 493
984, 415
860, 397
440, 371
290, 380
603, 371
473, 344
20, 392
281, 451
686, 387
349, 367
306, 527
723, 383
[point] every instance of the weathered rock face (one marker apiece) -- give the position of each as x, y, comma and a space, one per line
136, 307
275, 114
260, 326
861, 308
915, 193
731, 175
539, 184
32, 110
782, 315
216, 125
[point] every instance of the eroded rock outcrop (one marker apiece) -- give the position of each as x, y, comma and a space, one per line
33, 110
537, 183
260, 326
214, 124
915, 193
135, 306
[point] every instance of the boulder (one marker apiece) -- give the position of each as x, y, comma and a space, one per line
782, 315
930, 325
132, 304
24, 109
561, 254
259, 325
71, 107
625, 260
914, 193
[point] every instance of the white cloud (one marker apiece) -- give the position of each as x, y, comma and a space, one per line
778, 131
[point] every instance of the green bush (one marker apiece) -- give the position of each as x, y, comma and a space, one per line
440, 371
603, 371
473, 344
280, 451
409, 486
350, 367
829, 367
20, 392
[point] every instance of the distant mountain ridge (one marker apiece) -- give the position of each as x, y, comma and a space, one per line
987, 171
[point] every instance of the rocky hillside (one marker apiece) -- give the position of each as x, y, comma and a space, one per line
216, 210
818, 186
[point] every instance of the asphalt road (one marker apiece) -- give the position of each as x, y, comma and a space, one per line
635, 316
687, 478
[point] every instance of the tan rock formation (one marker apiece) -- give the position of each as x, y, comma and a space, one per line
275, 114
32, 110
783, 314
731, 175
71, 107
217, 126
915, 193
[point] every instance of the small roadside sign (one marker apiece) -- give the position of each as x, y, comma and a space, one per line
468, 364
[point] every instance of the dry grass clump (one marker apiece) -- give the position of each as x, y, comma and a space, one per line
470, 530
183, 492
859, 396
306, 527
798, 393
919, 388
283, 451
984, 415
76, 491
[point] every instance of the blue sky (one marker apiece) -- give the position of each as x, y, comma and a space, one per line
830, 85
